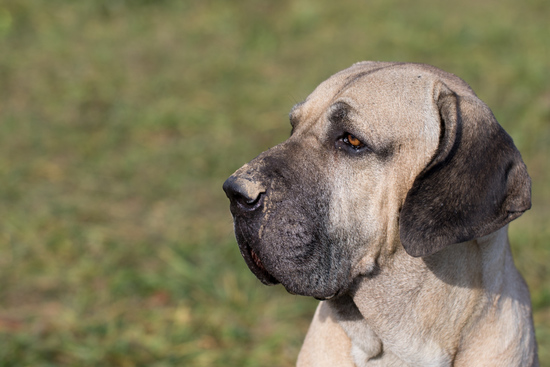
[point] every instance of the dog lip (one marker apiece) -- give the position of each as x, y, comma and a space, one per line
257, 260
256, 266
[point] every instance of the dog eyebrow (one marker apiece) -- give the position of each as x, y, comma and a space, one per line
292, 115
339, 112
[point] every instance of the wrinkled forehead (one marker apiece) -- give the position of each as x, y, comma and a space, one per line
325, 93
384, 102
389, 87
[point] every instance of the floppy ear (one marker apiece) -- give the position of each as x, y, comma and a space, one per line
475, 184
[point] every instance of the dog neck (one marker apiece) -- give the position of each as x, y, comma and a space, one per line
421, 311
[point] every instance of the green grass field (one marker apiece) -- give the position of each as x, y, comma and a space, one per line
120, 120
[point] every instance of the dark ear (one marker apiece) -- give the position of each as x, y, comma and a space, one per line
475, 184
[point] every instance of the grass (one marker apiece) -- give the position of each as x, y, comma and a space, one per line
120, 120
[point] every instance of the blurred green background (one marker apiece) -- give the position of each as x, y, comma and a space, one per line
120, 120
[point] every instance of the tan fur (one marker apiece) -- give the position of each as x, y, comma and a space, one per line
326, 343
463, 306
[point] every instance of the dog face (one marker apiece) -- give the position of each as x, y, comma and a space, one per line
382, 156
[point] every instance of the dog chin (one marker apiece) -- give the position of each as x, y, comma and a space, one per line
321, 296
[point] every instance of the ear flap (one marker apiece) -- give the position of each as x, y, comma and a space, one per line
475, 184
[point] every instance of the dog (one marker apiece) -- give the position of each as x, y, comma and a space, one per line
390, 203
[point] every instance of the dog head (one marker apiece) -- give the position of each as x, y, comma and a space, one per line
381, 155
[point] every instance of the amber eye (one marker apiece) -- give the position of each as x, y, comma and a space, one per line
353, 141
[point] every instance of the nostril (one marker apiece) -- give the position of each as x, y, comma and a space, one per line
245, 199
240, 193
248, 203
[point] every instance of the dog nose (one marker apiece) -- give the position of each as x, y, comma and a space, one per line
245, 193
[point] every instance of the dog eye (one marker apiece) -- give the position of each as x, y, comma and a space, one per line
352, 141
